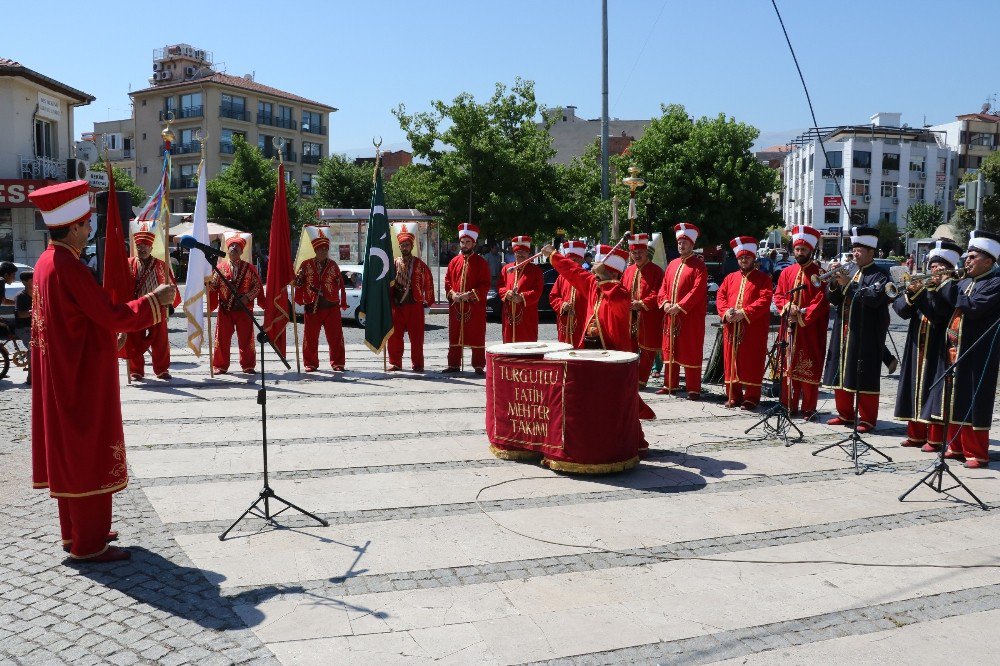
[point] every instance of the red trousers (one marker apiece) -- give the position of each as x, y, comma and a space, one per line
407, 318
867, 407
153, 339
672, 377
85, 523
455, 357
228, 322
646, 358
328, 320
807, 393
969, 443
931, 433
739, 394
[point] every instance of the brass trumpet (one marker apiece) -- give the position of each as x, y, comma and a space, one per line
819, 280
892, 290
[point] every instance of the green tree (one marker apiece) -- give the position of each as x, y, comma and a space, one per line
922, 219
412, 186
244, 194
342, 184
492, 158
888, 235
123, 182
703, 171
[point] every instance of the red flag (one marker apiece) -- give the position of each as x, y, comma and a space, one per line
117, 276
279, 269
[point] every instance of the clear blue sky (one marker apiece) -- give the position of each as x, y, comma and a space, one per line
913, 56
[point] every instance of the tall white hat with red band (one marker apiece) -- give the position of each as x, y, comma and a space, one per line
686, 229
142, 235
318, 237
63, 204
577, 247
467, 229
521, 243
638, 240
803, 234
744, 245
614, 258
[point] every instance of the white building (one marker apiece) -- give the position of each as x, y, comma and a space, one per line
882, 169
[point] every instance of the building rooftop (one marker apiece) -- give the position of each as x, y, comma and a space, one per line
986, 117
240, 82
10, 67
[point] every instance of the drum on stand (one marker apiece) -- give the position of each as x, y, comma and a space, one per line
602, 433
521, 351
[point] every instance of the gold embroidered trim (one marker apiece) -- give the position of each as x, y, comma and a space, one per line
583, 468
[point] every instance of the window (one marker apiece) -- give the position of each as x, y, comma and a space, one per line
311, 122
810, 162
265, 113
284, 117
111, 141
233, 107
982, 139
835, 159
861, 159
888, 188
44, 139
289, 176
226, 140
169, 103
915, 191
890, 161
859, 188
830, 189
917, 163
188, 143
308, 183
187, 176
191, 105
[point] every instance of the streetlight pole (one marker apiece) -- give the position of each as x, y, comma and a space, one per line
604, 111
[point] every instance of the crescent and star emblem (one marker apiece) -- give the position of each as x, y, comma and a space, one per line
380, 253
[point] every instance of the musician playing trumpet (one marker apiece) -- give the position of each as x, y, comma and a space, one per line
924, 342
803, 328
520, 289
860, 326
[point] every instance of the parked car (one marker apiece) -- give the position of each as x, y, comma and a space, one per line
352, 284
494, 306
15, 287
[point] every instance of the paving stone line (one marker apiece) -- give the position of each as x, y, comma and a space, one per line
735, 643
593, 561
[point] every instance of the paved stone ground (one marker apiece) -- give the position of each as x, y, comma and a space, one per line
432, 556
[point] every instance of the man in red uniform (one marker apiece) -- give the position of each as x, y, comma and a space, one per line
320, 288
520, 289
807, 314
244, 277
77, 441
466, 283
609, 304
568, 302
683, 297
643, 279
411, 293
148, 273
744, 303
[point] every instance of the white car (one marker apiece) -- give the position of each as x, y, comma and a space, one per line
15, 288
352, 285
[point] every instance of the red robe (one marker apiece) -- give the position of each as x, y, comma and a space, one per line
467, 321
414, 283
520, 320
806, 337
608, 304
77, 441
247, 282
328, 283
647, 323
146, 278
685, 282
744, 343
569, 327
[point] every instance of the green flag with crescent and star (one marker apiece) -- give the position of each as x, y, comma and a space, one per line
379, 272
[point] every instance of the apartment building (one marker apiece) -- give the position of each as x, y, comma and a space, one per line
572, 135
973, 136
116, 138
37, 148
882, 169
186, 89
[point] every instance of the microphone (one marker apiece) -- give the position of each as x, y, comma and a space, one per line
190, 243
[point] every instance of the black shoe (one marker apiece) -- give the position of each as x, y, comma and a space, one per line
480, 371
449, 369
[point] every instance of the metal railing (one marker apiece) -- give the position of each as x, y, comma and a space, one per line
234, 113
37, 168
311, 159
184, 183
192, 112
264, 118
286, 123
226, 147
308, 190
314, 129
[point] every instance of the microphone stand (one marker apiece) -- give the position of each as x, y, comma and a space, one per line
779, 411
934, 479
854, 445
267, 493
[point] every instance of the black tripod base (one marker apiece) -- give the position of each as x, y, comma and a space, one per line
779, 429
934, 479
266, 496
855, 447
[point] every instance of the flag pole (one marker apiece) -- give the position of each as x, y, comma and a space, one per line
208, 306
291, 301
168, 137
107, 169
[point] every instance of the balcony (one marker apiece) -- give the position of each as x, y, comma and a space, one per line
265, 119
314, 129
183, 148
184, 183
310, 159
308, 190
192, 112
226, 148
285, 123
128, 153
234, 113
289, 155
42, 168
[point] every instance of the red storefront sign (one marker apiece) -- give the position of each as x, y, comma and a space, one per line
831, 202
14, 192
